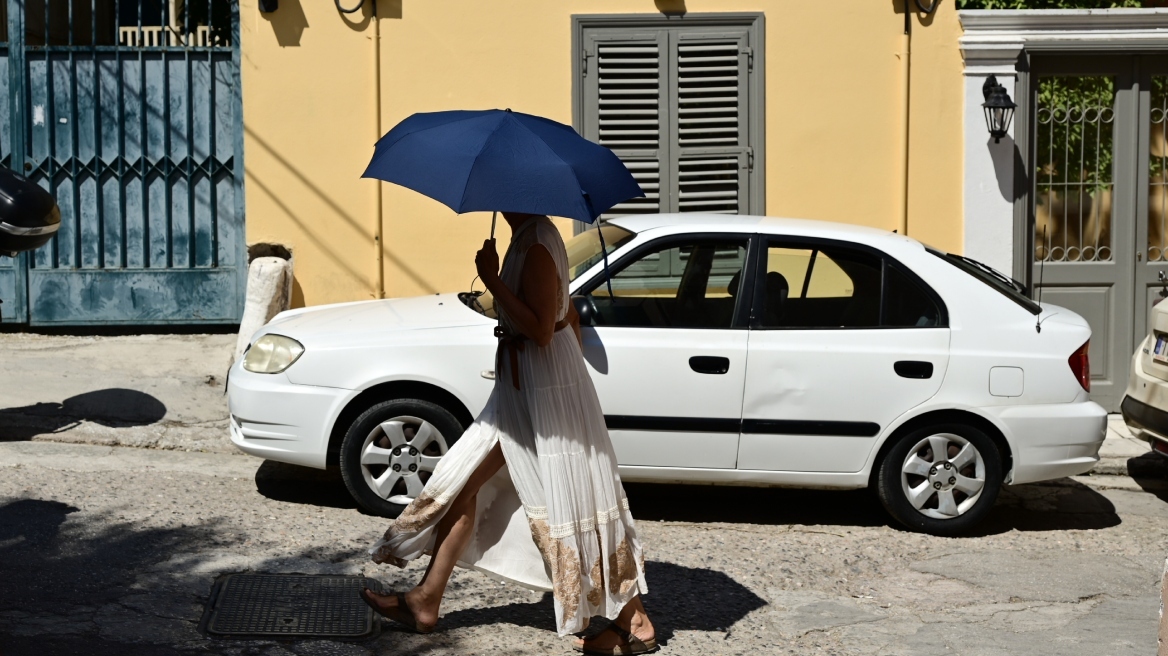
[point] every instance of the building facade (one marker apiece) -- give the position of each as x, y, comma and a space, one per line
179, 133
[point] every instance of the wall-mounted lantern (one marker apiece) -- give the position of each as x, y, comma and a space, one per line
999, 109
268, 6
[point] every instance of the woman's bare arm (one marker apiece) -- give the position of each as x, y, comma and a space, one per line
534, 314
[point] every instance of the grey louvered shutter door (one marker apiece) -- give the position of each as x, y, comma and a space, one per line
710, 99
624, 82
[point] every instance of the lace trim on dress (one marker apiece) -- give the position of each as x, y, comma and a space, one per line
596, 576
421, 511
585, 525
564, 564
622, 569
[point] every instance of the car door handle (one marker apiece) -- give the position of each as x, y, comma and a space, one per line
709, 364
913, 369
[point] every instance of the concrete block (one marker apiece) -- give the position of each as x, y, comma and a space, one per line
269, 291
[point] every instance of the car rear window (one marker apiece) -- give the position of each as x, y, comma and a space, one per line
1000, 282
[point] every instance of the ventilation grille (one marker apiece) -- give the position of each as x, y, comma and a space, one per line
707, 94
708, 184
629, 95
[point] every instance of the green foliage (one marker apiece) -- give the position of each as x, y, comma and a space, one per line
1047, 4
1075, 137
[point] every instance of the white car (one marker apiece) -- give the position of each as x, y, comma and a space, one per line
1145, 402
733, 350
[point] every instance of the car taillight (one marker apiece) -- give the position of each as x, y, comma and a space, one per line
1081, 366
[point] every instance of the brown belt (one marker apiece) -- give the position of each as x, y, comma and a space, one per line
513, 344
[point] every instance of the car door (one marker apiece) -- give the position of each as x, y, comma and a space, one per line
843, 340
667, 351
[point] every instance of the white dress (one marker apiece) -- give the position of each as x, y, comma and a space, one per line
555, 517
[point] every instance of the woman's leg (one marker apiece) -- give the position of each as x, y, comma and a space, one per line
451, 536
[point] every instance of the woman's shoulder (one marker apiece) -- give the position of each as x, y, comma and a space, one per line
548, 234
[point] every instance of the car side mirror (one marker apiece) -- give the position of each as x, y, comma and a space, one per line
585, 309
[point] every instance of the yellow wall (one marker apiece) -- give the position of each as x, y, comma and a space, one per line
834, 121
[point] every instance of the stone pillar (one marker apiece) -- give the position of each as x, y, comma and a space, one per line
269, 291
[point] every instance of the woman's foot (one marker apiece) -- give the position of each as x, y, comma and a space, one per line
409, 608
617, 640
632, 626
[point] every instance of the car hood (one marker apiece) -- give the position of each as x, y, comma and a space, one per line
350, 319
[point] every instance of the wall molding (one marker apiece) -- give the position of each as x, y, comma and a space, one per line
993, 39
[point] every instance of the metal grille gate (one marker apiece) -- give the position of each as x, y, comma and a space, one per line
129, 112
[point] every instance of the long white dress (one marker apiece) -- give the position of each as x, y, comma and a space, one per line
555, 517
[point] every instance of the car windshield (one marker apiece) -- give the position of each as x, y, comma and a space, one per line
999, 281
583, 254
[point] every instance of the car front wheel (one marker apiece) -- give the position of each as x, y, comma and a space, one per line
391, 449
941, 479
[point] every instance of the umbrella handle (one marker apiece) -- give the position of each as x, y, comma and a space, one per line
493, 214
604, 254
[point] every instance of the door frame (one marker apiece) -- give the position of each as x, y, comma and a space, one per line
1132, 71
1026, 152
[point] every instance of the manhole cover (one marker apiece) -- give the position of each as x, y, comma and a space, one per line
290, 605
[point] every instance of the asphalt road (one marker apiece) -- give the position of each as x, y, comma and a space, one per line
113, 550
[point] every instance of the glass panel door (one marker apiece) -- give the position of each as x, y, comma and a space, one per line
1073, 189
1083, 208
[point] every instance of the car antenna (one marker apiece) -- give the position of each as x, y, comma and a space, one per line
1041, 266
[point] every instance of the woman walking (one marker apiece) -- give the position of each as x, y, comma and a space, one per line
530, 492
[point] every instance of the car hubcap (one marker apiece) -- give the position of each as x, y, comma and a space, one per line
398, 457
943, 476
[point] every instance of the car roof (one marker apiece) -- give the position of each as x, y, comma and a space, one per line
764, 224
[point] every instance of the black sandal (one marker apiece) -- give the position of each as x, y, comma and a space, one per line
633, 646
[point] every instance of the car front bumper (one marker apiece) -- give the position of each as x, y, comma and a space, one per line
1145, 406
275, 419
1146, 422
1054, 440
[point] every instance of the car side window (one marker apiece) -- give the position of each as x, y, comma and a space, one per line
906, 305
689, 284
820, 287
829, 286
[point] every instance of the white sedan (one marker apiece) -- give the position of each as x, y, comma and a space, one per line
732, 350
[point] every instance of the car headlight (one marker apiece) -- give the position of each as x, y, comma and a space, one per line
272, 354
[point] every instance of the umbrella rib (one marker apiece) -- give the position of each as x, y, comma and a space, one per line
462, 199
557, 155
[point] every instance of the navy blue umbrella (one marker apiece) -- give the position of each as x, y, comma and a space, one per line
499, 160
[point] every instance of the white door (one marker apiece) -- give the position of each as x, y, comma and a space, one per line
843, 341
668, 352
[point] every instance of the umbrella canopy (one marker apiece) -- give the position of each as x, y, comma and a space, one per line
499, 160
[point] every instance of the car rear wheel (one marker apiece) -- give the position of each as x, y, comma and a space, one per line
390, 451
940, 479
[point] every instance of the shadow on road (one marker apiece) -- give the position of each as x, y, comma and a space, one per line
1150, 471
114, 407
1057, 505
1050, 506
279, 481
754, 505
62, 567
682, 599
55, 556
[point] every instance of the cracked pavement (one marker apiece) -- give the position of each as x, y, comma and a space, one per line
113, 550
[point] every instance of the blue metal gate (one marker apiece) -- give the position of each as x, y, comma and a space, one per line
129, 112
